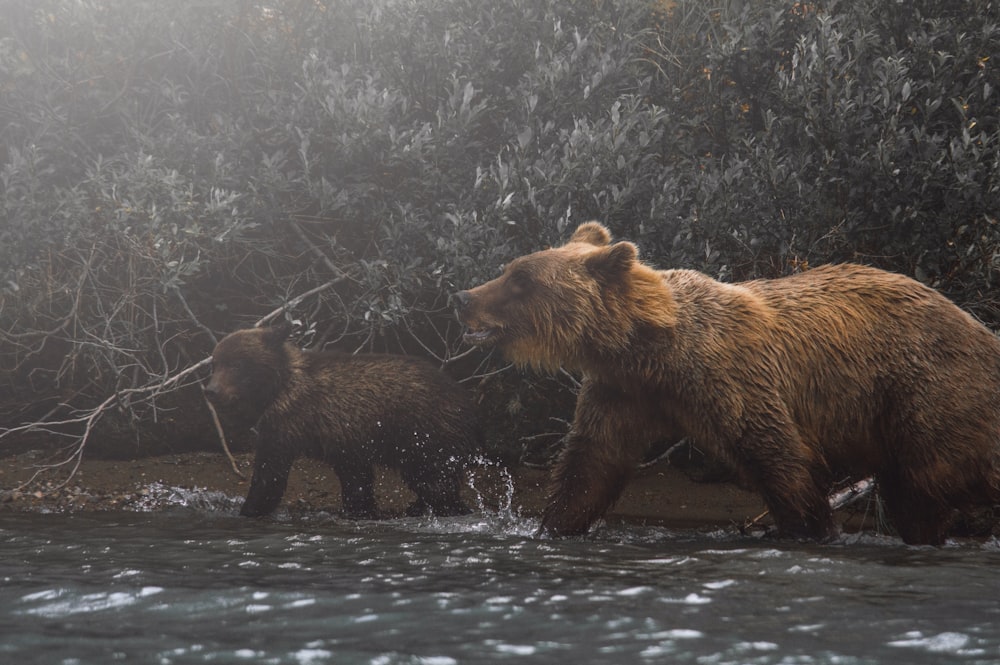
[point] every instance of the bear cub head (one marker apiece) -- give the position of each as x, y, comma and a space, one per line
558, 306
249, 369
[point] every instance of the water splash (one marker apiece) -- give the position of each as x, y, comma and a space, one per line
158, 496
506, 501
496, 511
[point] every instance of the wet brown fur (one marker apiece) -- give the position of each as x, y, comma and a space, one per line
841, 371
352, 412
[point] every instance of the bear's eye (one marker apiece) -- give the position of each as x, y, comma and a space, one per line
520, 282
228, 365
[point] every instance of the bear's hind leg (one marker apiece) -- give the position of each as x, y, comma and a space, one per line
792, 479
357, 491
439, 495
918, 518
806, 517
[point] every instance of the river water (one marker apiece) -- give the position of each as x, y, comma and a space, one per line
197, 584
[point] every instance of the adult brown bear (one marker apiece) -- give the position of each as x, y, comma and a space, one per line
351, 411
841, 371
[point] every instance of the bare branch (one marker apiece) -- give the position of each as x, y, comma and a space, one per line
294, 302
147, 392
837, 500
222, 440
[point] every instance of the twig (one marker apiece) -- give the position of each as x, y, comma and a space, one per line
574, 382
222, 439
317, 251
90, 417
664, 455
267, 318
852, 493
486, 375
76, 456
444, 360
191, 315
838, 499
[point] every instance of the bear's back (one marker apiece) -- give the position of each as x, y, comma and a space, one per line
387, 379
853, 352
375, 399
861, 303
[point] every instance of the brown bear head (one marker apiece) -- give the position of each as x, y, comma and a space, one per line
249, 370
561, 306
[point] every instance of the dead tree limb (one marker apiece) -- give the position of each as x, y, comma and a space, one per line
839, 499
852, 493
88, 418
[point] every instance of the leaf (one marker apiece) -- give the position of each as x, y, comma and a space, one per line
524, 137
467, 96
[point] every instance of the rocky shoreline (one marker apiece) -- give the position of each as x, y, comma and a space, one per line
660, 495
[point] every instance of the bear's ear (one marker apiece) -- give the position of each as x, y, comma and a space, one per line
613, 261
276, 335
593, 233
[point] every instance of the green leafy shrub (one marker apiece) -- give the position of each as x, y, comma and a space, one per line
170, 171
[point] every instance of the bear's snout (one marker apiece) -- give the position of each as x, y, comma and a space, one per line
461, 300
214, 391
211, 390
477, 331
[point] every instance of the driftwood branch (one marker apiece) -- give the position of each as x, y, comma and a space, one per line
852, 493
839, 499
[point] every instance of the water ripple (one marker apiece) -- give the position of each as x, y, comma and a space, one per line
192, 586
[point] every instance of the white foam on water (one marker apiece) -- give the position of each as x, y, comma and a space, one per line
678, 634
247, 654
302, 602
756, 646
947, 642
94, 602
516, 649
690, 599
310, 656
258, 609
388, 658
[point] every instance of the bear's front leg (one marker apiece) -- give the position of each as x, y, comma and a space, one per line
270, 478
610, 434
584, 484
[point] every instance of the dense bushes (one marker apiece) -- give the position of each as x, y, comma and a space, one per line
171, 171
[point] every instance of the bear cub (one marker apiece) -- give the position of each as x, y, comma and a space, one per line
842, 371
350, 411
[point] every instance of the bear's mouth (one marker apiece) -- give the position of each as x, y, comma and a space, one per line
217, 400
480, 336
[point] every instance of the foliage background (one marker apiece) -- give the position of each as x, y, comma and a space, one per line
171, 171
